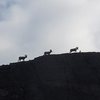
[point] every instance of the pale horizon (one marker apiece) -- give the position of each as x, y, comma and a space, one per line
34, 26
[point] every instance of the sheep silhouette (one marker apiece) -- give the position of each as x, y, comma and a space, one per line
22, 58
73, 49
47, 52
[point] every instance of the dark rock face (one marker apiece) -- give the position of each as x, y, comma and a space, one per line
73, 76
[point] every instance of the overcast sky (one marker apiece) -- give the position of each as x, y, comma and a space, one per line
34, 26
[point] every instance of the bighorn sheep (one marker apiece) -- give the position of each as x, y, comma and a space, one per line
74, 49
47, 52
22, 58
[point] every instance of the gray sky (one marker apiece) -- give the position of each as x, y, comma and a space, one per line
33, 26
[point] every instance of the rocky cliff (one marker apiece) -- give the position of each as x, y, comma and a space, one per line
74, 76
